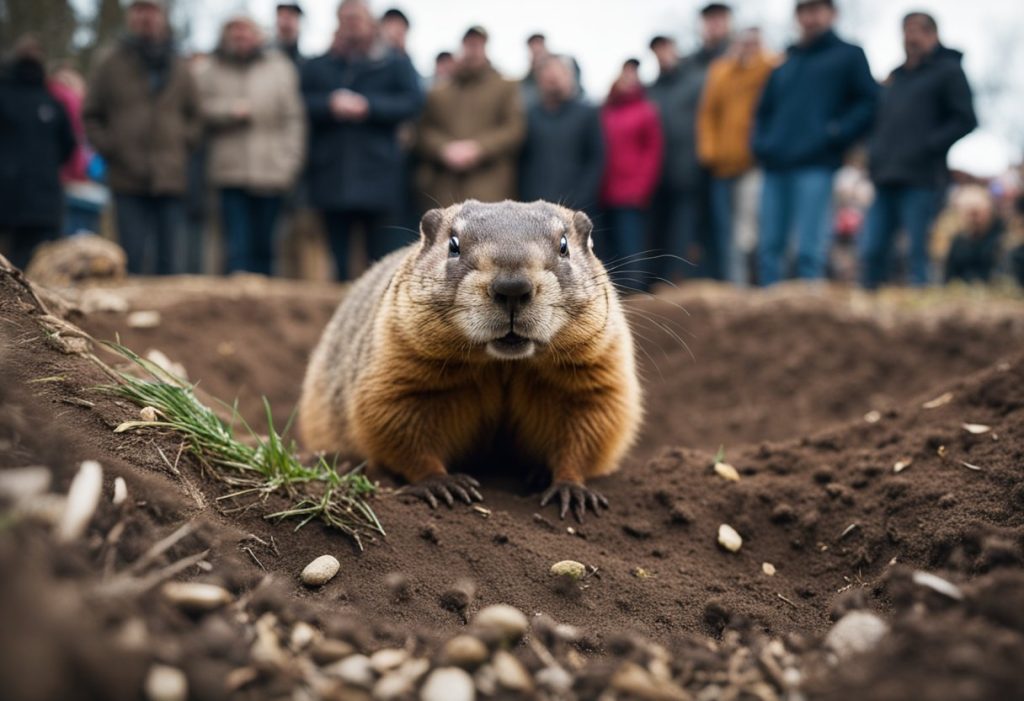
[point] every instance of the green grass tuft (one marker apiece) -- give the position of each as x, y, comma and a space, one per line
259, 467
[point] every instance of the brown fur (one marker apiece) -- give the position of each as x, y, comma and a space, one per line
403, 375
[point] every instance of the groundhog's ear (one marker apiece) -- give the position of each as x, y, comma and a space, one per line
582, 230
430, 224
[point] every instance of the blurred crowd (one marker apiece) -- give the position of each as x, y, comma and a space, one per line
734, 164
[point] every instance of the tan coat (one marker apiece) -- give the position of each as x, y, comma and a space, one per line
145, 137
478, 105
726, 116
265, 149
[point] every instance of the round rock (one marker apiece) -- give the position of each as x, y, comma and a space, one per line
569, 568
448, 684
320, 571
502, 621
465, 651
856, 632
196, 596
165, 683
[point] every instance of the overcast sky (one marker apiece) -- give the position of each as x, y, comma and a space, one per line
601, 33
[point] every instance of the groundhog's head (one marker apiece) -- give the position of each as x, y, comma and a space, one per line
509, 279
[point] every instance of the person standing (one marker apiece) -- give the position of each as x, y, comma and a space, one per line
141, 114
254, 118
471, 132
288, 23
36, 139
814, 107
724, 125
924, 108
356, 96
563, 155
634, 148
680, 221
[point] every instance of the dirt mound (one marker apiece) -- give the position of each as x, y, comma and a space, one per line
825, 508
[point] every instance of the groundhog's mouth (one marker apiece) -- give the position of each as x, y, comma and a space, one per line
511, 345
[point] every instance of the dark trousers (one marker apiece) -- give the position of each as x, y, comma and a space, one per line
18, 243
150, 228
898, 207
622, 245
675, 236
250, 221
381, 239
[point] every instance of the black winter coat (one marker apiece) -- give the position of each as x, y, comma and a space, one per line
35, 140
563, 155
922, 112
358, 165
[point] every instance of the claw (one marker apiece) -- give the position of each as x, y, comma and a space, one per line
576, 497
446, 488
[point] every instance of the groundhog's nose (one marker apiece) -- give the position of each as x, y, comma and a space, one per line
511, 291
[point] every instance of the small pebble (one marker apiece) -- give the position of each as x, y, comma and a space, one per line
387, 659
556, 680
448, 684
569, 568
856, 632
120, 491
165, 683
302, 636
768, 568
355, 670
728, 538
144, 319
320, 571
465, 651
330, 650
510, 672
83, 498
148, 413
502, 621
196, 596
938, 584
20, 483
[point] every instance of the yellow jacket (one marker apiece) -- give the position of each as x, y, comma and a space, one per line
726, 114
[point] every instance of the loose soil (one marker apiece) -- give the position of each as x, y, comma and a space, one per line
813, 394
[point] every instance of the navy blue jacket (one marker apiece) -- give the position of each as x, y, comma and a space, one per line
563, 155
359, 165
815, 105
923, 111
35, 140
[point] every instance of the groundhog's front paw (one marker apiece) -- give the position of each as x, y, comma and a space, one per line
574, 496
446, 488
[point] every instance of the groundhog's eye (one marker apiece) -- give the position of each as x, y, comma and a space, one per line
563, 247
453, 247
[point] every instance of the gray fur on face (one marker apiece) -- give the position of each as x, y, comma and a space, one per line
508, 238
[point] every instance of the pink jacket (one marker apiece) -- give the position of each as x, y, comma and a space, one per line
635, 146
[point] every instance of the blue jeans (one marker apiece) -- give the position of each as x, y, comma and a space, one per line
150, 228
895, 207
250, 221
800, 199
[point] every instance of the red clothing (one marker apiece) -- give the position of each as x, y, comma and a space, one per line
634, 153
75, 168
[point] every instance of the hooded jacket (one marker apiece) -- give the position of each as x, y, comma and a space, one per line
922, 112
815, 105
634, 148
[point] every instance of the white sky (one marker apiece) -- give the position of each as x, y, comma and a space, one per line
601, 33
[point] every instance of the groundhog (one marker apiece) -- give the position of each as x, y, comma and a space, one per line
500, 318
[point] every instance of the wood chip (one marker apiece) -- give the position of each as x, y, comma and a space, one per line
941, 400
873, 417
938, 584
969, 466
902, 465
768, 568
977, 429
728, 538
